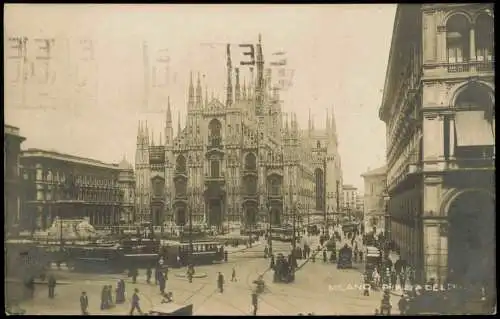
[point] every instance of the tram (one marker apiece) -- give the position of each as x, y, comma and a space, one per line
178, 254
95, 258
284, 234
139, 252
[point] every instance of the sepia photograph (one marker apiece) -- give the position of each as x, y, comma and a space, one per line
249, 159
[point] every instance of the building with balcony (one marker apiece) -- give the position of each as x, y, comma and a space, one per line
242, 161
67, 186
374, 203
349, 198
439, 110
12, 141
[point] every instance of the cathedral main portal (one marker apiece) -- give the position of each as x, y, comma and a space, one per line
215, 215
181, 215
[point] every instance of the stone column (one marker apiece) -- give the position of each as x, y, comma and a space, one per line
452, 138
472, 44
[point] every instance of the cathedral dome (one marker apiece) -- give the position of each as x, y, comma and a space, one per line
124, 165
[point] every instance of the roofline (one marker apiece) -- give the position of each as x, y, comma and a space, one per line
376, 172
34, 153
390, 61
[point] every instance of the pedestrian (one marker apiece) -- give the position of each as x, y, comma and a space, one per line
376, 312
225, 256
220, 282
266, 251
149, 273
135, 302
325, 258
120, 291
135, 273
104, 297
162, 283
190, 273
233, 274
110, 296
52, 286
272, 262
84, 303
403, 305
255, 302
394, 279
402, 280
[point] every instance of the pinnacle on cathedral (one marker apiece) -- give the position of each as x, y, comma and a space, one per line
237, 85
199, 98
229, 88
169, 113
191, 92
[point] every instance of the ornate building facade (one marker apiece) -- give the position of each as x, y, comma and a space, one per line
374, 203
242, 161
439, 110
67, 186
12, 182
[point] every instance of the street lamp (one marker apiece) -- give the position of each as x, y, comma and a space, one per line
190, 209
387, 220
269, 235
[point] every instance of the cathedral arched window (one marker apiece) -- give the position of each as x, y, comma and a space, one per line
250, 185
158, 187
250, 162
180, 187
214, 168
180, 164
215, 132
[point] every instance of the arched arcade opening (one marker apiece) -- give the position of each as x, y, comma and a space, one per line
471, 239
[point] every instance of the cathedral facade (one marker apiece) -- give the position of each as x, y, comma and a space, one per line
242, 161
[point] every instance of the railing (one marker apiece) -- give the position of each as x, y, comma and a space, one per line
470, 66
214, 142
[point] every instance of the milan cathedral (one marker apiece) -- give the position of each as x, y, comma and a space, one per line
243, 162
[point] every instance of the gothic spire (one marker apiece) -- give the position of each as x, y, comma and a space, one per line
260, 74
139, 133
229, 88
191, 91
244, 90
199, 98
237, 92
178, 123
206, 97
169, 113
327, 126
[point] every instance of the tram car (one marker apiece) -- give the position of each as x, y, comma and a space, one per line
345, 257
95, 258
283, 271
177, 254
139, 252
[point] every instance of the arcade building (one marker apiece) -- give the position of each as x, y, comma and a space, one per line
439, 110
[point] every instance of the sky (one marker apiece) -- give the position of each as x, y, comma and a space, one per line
92, 107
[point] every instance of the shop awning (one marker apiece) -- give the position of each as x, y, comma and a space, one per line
473, 129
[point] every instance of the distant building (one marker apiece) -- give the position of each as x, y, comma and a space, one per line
374, 205
360, 203
11, 149
439, 110
349, 198
67, 186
